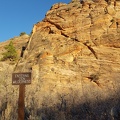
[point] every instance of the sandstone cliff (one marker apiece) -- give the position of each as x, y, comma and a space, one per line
74, 57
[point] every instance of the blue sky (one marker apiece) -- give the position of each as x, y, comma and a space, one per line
18, 16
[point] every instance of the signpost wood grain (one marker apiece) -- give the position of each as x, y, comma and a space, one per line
21, 79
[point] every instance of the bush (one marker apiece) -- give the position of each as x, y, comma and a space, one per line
22, 33
10, 53
94, 77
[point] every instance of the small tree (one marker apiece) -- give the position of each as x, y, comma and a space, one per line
22, 33
10, 53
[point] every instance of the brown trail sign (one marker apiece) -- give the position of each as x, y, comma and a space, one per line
21, 79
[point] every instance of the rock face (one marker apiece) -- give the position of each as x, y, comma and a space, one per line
18, 43
74, 57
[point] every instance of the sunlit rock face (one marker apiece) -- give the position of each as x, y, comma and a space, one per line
74, 58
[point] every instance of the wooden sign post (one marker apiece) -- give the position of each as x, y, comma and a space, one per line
21, 102
21, 79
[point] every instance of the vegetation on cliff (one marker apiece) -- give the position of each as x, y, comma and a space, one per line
11, 53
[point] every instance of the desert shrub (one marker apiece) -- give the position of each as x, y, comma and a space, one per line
11, 53
94, 77
22, 33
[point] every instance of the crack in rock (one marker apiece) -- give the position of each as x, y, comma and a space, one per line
91, 49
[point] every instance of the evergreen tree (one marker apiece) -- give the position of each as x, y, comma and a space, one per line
22, 33
10, 53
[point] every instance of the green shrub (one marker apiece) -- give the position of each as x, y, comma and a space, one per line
10, 53
22, 33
